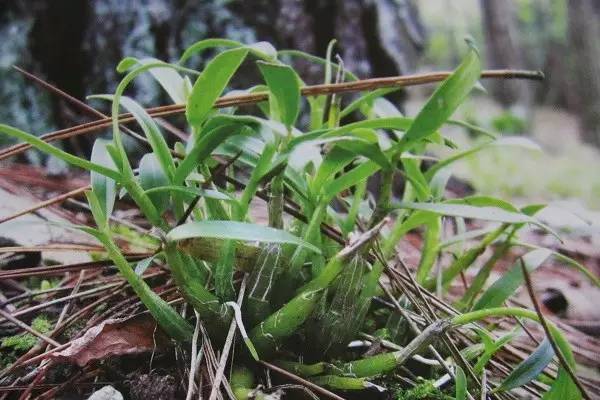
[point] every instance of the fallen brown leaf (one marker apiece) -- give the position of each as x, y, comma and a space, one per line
113, 337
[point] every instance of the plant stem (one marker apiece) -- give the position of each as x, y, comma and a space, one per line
190, 284
173, 324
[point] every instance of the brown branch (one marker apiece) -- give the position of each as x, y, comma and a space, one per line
253, 98
544, 323
46, 203
300, 380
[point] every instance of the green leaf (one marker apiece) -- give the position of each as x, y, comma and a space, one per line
461, 384
236, 231
97, 210
530, 368
367, 146
416, 178
284, 85
504, 287
203, 146
264, 50
445, 100
334, 161
191, 191
169, 79
143, 265
104, 188
152, 176
63, 155
211, 83
151, 131
488, 213
350, 179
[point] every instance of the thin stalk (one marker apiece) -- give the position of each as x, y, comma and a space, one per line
173, 324
312, 231
469, 297
545, 325
190, 284
253, 98
466, 260
276, 202
430, 250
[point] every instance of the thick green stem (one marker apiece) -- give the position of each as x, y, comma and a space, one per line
292, 315
385, 196
190, 284
276, 202
168, 319
312, 231
430, 250
385, 362
341, 382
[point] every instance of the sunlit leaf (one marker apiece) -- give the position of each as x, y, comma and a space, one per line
236, 231
284, 85
211, 83
445, 100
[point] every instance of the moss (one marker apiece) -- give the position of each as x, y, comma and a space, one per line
134, 237
25, 341
424, 390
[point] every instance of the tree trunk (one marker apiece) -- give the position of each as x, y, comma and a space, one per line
375, 38
584, 38
503, 50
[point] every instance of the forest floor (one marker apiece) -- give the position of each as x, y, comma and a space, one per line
568, 297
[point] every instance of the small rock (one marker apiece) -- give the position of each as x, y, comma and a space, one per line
106, 393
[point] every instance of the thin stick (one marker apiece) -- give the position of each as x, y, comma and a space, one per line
193, 363
46, 203
227, 346
253, 98
544, 324
29, 329
300, 380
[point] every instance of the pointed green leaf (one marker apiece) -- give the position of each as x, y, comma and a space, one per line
63, 155
151, 131
143, 265
505, 287
530, 368
203, 146
461, 384
488, 213
284, 86
445, 100
349, 179
211, 83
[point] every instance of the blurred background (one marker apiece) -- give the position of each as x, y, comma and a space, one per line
76, 44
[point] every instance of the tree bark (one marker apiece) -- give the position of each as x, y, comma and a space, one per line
503, 50
584, 38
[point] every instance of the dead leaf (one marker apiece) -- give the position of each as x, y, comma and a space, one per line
114, 337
